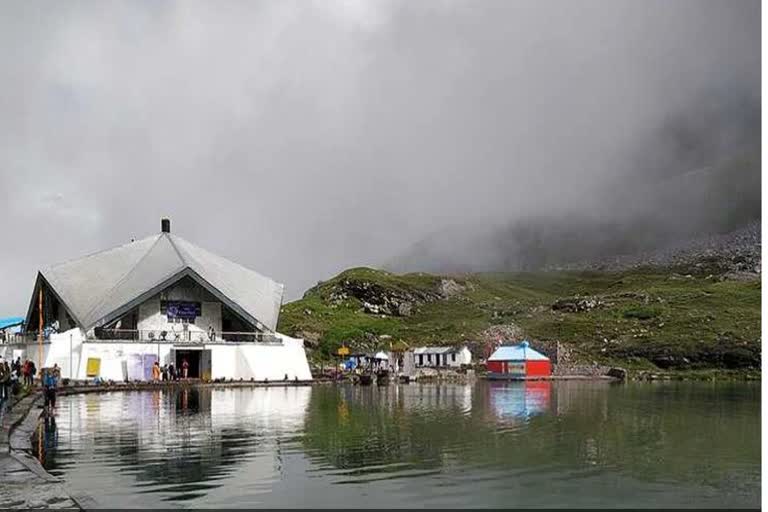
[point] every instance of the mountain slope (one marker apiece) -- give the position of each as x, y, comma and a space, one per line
642, 318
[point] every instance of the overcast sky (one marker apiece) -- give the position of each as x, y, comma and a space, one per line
301, 138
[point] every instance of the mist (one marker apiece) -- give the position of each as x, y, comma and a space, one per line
302, 138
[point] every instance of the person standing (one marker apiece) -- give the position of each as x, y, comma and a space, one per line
50, 381
5, 376
15, 377
211, 333
184, 368
25, 373
164, 373
156, 371
172, 372
32, 371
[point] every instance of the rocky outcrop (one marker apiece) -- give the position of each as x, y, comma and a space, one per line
618, 373
449, 288
504, 332
377, 299
311, 339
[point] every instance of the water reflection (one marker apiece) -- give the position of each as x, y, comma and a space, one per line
497, 444
519, 400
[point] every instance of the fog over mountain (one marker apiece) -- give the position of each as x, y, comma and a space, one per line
301, 138
698, 174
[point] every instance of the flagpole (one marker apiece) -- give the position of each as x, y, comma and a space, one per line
40, 328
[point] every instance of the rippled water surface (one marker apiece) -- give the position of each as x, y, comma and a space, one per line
488, 444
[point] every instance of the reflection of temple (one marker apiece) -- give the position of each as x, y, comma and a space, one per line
186, 435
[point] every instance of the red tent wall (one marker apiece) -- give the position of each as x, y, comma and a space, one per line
495, 366
538, 368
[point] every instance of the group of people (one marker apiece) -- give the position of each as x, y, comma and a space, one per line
17, 374
168, 372
14, 375
28, 371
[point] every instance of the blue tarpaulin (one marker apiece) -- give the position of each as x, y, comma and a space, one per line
11, 321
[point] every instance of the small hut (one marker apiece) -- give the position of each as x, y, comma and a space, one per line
518, 362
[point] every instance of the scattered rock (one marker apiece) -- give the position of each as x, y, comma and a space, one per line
449, 288
577, 304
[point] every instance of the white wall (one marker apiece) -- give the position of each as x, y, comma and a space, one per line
65, 350
224, 361
228, 360
261, 361
463, 356
113, 355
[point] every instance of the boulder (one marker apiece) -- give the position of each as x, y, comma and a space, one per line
618, 373
449, 288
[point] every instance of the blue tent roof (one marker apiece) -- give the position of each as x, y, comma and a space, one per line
11, 321
520, 352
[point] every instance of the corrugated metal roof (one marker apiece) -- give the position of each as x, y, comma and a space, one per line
520, 352
435, 350
96, 286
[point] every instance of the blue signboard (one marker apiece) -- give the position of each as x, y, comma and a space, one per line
180, 309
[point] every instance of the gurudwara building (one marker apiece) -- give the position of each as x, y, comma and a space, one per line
114, 313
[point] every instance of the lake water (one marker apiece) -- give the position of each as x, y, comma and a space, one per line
574, 444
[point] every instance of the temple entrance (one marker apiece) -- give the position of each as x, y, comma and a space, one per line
200, 362
193, 358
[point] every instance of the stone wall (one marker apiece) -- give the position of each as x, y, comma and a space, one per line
564, 361
549, 348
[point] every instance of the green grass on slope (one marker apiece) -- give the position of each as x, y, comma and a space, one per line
643, 318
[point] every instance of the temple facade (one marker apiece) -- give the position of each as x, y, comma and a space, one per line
114, 313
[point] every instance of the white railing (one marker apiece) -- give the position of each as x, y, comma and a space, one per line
23, 337
180, 336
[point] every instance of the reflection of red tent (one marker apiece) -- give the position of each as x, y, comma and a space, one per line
519, 399
518, 361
